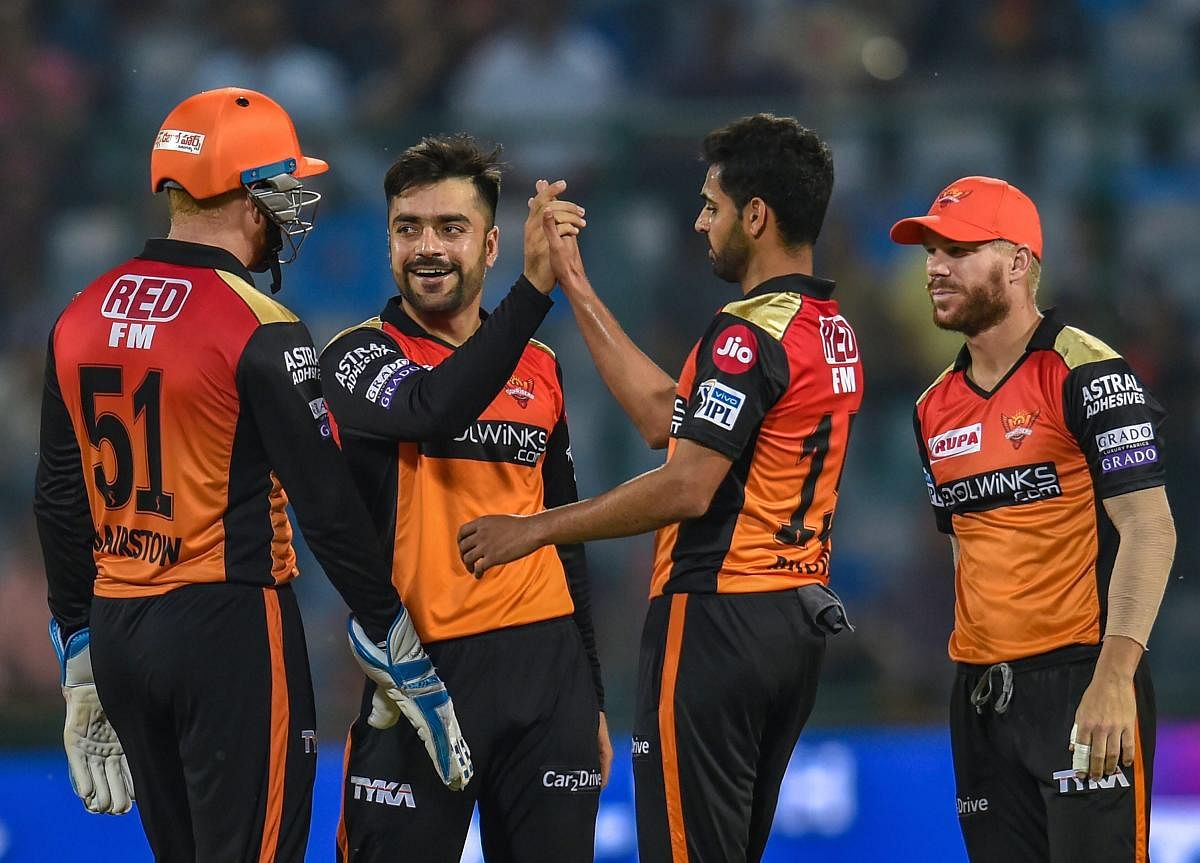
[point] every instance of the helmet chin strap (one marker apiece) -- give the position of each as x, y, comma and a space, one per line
270, 256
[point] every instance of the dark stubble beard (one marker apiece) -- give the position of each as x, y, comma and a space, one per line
470, 283
982, 307
730, 263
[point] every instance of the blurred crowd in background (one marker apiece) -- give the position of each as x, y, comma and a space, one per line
1090, 106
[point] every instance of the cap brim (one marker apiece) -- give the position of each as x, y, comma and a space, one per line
307, 166
911, 232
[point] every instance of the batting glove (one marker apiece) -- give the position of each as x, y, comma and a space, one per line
99, 771
408, 684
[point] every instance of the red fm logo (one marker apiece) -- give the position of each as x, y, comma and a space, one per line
838, 341
145, 298
735, 349
137, 304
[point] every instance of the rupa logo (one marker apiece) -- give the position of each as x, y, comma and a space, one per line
956, 442
1069, 783
382, 791
137, 304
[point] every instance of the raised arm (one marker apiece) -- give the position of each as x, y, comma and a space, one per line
645, 392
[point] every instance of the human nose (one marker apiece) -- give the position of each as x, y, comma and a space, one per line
701, 224
429, 244
935, 265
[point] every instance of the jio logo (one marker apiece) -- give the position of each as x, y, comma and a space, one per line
735, 349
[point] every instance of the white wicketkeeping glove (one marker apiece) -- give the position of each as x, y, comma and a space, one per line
408, 684
99, 771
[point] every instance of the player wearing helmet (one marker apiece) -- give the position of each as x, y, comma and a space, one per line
182, 413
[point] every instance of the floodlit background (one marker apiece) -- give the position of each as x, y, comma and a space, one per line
1090, 106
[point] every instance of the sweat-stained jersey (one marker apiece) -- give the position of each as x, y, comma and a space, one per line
773, 384
1019, 474
437, 436
179, 405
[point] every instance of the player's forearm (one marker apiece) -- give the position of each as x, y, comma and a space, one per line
656, 498
1142, 565
644, 391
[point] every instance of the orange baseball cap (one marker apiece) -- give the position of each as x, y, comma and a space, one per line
975, 210
218, 140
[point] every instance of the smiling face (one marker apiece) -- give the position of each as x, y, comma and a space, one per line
966, 284
721, 223
441, 242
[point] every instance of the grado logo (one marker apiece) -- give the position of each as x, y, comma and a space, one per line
735, 349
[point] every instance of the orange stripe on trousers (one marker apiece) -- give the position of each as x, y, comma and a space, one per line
666, 729
280, 720
1141, 838
343, 841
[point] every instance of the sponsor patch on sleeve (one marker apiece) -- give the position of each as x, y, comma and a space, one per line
719, 404
735, 350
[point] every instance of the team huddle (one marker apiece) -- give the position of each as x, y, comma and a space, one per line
426, 455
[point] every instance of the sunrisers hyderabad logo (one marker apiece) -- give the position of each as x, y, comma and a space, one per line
951, 195
1018, 426
521, 390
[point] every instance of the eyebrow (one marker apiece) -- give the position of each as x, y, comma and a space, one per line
708, 199
440, 219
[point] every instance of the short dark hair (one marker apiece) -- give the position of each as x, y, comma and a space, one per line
442, 157
780, 161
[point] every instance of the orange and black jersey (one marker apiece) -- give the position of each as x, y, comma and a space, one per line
773, 384
1019, 474
437, 436
179, 404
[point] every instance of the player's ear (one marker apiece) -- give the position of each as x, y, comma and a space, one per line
754, 217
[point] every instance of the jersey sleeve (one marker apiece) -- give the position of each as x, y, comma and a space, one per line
558, 480
1117, 422
741, 372
60, 507
941, 512
285, 402
373, 389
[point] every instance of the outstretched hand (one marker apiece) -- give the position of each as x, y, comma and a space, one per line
494, 540
564, 217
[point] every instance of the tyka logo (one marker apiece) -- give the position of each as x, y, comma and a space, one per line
382, 791
310, 741
735, 349
1069, 783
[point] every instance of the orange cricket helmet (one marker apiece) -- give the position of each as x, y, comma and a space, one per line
220, 140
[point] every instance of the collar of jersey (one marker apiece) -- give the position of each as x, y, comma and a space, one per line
394, 314
187, 254
795, 283
1042, 340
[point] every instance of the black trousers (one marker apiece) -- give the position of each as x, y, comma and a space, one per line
725, 685
208, 688
1017, 795
527, 707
